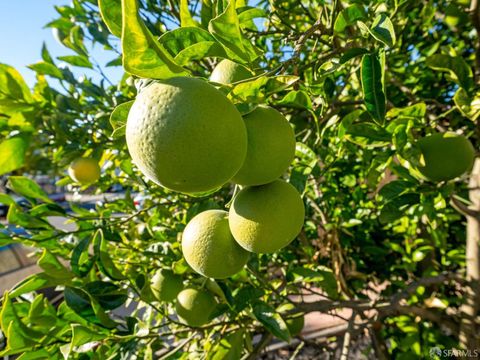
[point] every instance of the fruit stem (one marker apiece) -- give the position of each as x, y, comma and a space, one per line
235, 192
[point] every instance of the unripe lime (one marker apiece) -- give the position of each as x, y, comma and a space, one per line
209, 247
184, 134
271, 147
228, 72
166, 285
294, 323
84, 171
266, 218
194, 307
446, 156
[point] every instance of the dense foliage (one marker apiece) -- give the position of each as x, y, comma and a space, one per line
360, 81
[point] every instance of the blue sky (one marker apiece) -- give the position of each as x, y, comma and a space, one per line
22, 34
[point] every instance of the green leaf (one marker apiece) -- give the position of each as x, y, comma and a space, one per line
247, 13
77, 60
33, 283
178, 39
81, 261
297, 99
82, 335
372, 85
28, 188
468, 106
83, 305
79, 301
272, 321
105, 263
13, 107
44, 68
19, 337
394, 189
226, 29
456, 66
367, 134
322, 276
108, 295
111, 12
186, 18
52, 267
382, 30
42, 313
21, 218
200, 51
118, 118
229, 347
46, 54
352, 53
75, 40
395, 208
41, 354
143, 55
191, 43
416, 111
12, 154
6, 199
12, 85
348, 16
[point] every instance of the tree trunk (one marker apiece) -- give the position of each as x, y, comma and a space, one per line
469, 334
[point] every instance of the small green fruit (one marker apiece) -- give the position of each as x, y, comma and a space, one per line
446, 156
84, 171
194, 307
271, 147
209, 247
166, 285
228, 72
266, 218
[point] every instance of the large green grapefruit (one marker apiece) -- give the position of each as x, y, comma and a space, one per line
271, 147
446, 156
185, 135
209, 247
266, 218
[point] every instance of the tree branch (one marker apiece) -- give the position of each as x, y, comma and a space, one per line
475, 16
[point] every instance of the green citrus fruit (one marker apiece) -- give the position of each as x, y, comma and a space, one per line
209, 247
228, 72
194, 307
184, 134
271, 147
294, 323
165, 285
446, 156
84, 171
266, 218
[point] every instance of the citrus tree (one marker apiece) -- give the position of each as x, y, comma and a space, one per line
281, 149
